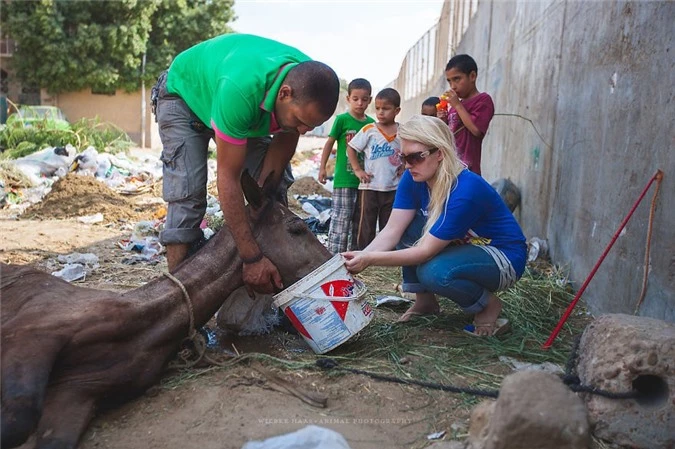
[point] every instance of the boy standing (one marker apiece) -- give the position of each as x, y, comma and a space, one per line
345, 183
429, 107
470, 111
382, 168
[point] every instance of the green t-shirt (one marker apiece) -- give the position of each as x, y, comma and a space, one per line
231, 83
344, 128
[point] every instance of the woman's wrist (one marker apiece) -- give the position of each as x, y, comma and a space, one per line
368, 257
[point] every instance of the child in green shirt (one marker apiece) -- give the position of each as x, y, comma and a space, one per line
345, 183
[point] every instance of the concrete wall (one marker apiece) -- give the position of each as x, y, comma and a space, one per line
122, 109
596, 79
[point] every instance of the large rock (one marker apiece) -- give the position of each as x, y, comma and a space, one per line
619, 353
479, 425
535, 410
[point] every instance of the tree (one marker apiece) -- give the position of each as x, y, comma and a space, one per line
65, 45
179, 24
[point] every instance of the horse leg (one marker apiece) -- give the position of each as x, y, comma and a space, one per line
25, 374
66, 414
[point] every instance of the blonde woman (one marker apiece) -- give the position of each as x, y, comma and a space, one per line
453, 234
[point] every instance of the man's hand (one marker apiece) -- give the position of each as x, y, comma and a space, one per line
262, 277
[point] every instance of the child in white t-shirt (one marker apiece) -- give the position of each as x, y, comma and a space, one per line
382, 168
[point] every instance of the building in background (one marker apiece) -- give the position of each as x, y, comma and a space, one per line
128, 111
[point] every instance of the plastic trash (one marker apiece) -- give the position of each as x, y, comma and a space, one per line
391, 301
91, 219
319, 202
315, 225
324, 216
143, 229
89, 259
243, 315
3, 194
208, 233
45, 163
71, 272
310, 209
103, 165
436, 435
86, 162
536, 248
148, 247
310, 437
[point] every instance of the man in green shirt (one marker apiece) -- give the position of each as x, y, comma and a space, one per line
238, 90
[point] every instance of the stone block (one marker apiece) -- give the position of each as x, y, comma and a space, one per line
535, 410
621, 353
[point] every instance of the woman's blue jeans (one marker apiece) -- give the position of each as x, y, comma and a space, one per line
464, 274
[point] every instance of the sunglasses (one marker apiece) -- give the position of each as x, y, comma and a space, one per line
416, 158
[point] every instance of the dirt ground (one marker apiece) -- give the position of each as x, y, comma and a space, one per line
219, 407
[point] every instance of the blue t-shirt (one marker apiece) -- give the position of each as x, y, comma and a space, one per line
474, 213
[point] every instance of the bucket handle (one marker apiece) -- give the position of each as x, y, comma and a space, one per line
360, 291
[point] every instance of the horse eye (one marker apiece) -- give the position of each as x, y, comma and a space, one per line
297, 227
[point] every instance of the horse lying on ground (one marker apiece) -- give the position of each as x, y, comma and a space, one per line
67, 349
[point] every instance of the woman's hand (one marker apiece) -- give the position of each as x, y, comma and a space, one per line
356, 261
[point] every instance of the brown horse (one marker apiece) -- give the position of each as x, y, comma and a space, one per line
66, 349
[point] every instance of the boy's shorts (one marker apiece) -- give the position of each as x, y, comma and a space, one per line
185, 141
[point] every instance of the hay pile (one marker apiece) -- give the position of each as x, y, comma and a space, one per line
435, 349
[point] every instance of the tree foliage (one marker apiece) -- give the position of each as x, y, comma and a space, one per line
65, 45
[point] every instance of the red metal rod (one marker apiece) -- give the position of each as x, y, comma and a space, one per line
567, 313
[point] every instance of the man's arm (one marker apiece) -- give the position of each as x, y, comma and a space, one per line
278, 156
230, 163
261, 274
327, 148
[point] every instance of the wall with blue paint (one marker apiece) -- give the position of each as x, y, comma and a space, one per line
597, 81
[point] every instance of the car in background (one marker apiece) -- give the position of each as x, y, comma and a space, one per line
49, 117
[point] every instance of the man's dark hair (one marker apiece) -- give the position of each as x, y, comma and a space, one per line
314, 82
389, 95
431, 101
359, 83
463, 63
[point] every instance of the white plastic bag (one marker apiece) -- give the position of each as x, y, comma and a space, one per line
45, 163
243, 315
310, 437
71, 272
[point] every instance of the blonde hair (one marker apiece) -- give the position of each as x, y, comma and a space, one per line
432, 132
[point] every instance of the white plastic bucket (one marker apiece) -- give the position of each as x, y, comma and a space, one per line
327, 306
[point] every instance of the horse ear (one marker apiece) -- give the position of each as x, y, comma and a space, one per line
269, 187
251, 189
